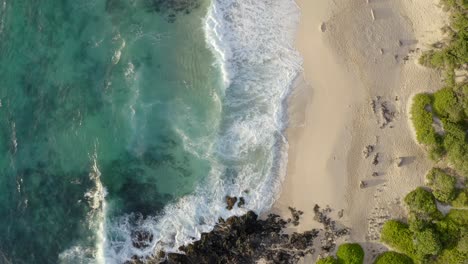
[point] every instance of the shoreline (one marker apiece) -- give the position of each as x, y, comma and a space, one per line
355, 54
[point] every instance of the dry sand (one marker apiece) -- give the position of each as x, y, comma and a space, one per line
357, 52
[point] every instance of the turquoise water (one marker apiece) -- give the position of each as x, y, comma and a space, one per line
125, 123
111, 81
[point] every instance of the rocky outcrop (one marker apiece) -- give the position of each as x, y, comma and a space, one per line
247, 239
230, 201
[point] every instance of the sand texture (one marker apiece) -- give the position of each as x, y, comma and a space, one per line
351, 144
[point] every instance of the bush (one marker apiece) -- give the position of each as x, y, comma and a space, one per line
422, 203
417, 223
398, 236
427, 243
459, 217
392, 257
422, 120
446, 105
461, 200
442, 184
435, 59
327, 260
456, 254
351, 253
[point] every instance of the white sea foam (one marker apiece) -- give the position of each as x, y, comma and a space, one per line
96, 219
252, 42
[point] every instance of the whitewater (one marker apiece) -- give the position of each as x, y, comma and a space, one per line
253, 44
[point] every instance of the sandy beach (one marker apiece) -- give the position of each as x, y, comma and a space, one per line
351, 144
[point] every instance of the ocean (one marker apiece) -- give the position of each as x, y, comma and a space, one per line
125, 123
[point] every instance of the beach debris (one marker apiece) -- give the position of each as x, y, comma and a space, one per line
372, 14
323, 27
296, 215
375, 174
362, 184
400, 43
375, 160
367, 151
230, 201
381, 51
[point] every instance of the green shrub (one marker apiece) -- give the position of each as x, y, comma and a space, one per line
398, 236
422, 203
436, 152
351, 253
452, 227
456, 254
417, 223
442, 184
422, 120
427, 243
446, 104
461, 200
459, 217
392, 257
327, 260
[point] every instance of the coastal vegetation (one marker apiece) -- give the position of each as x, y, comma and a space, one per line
440, 120
392, 257
348, 253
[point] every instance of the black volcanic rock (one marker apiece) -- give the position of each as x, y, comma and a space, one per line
245, 239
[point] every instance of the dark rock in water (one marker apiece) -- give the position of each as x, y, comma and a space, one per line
142, 239
230, 201
241, 202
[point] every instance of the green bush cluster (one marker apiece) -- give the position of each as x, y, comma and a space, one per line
351, 253
422, 203
348, 253
461, 200
392, 257
442, 185
431, 240
447, 105
450, 104
398, 236
430, 237
422, 120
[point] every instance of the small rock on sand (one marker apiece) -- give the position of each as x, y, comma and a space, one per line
362, 184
